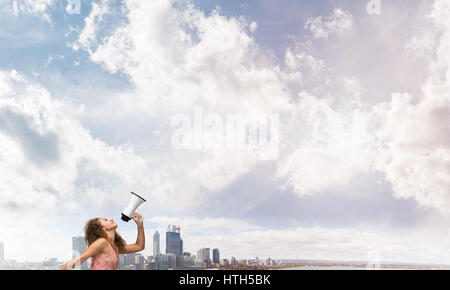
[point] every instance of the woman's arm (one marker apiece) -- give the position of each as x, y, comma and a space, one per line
94, 249
140, 241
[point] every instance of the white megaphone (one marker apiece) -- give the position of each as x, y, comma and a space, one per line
128, 212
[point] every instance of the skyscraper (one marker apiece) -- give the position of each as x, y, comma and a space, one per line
216, 256
121, 262
203, 255
2, 253
130, 259
78, 247
156, 250
174, 243
139, 262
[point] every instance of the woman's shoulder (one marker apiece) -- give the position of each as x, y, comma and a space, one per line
100, 242
99, 246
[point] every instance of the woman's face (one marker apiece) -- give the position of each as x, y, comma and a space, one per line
108, 224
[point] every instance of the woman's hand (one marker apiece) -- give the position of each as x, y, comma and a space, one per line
140, 240
137, 217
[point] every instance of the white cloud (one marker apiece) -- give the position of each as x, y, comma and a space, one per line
339, 22
212, 61
49, 159
415, 151
423, 43
38, 8
406, 138
49, 163
296, 60
88, 37
215, 170
46, 152
331, 148
253, 26
52, 58
415, 155
184, 57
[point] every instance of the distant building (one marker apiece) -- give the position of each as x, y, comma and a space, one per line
216, 256
166, 261
139, 262
151, 266
130, 259
2, 253
179, 263
156, 261
197, 265
130, 267
174, 243
163, 262
172, 261
188, 262
224, 262
50, 263
121, 265
203, 255
78, 247
156, 244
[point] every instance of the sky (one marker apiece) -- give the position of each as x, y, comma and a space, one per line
109, 97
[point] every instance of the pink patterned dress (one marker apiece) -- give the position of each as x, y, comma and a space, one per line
107, 262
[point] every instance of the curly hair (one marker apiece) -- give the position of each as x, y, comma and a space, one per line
94, 230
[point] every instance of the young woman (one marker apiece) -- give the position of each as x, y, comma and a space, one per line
105, 244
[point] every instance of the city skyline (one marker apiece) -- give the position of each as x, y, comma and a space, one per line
137, 261
168, 261
78, 246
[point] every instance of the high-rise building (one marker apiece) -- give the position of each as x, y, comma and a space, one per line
188, 262
130, 259
172, 261
216, 256
78, 247
152, 265
162, 262
203, 255
2, 253
139, 262
166, 261
174, 243
121, 265
156, 248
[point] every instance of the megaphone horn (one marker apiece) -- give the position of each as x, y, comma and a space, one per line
135, 202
